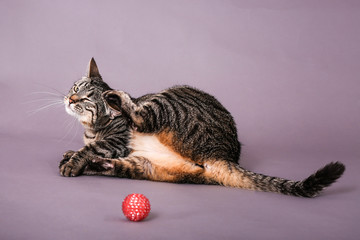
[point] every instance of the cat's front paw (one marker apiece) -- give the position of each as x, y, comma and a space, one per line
70, 169
66, 157
68, 154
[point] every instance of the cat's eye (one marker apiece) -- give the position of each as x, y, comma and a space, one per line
76, 89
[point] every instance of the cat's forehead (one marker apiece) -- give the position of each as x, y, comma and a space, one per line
86, 83
82, 81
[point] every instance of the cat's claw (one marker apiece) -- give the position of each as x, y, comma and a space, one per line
69, 169
68, 154
66, 157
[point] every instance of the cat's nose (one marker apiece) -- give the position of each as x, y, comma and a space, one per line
74, 98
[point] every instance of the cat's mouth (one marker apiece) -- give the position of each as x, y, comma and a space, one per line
78, 111
72, 108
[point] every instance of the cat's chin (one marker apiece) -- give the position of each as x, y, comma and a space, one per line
70, 112
85, 120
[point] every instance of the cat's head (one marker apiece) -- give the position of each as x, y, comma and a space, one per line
84, 100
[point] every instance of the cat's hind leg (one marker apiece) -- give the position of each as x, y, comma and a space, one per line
137, 167
128, 167
121, 103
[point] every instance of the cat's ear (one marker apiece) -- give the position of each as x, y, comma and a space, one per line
92, 70
113, 102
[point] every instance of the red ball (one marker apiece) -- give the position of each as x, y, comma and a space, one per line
136, 207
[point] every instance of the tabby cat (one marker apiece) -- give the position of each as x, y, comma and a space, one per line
180, 135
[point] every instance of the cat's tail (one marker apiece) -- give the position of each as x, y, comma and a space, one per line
241, 178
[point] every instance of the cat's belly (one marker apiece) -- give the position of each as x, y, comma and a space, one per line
158, 150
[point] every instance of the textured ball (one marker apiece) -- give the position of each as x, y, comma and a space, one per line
136, 207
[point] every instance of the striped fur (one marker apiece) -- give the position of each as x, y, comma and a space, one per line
180, 135
199, 129
106, 135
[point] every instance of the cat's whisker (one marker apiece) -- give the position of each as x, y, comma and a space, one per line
67, 123
50, 100
54, 89
76, 132
56, 104
47, 99
48, 93
69, 126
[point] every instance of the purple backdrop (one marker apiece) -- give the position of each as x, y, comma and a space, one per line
287, 70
